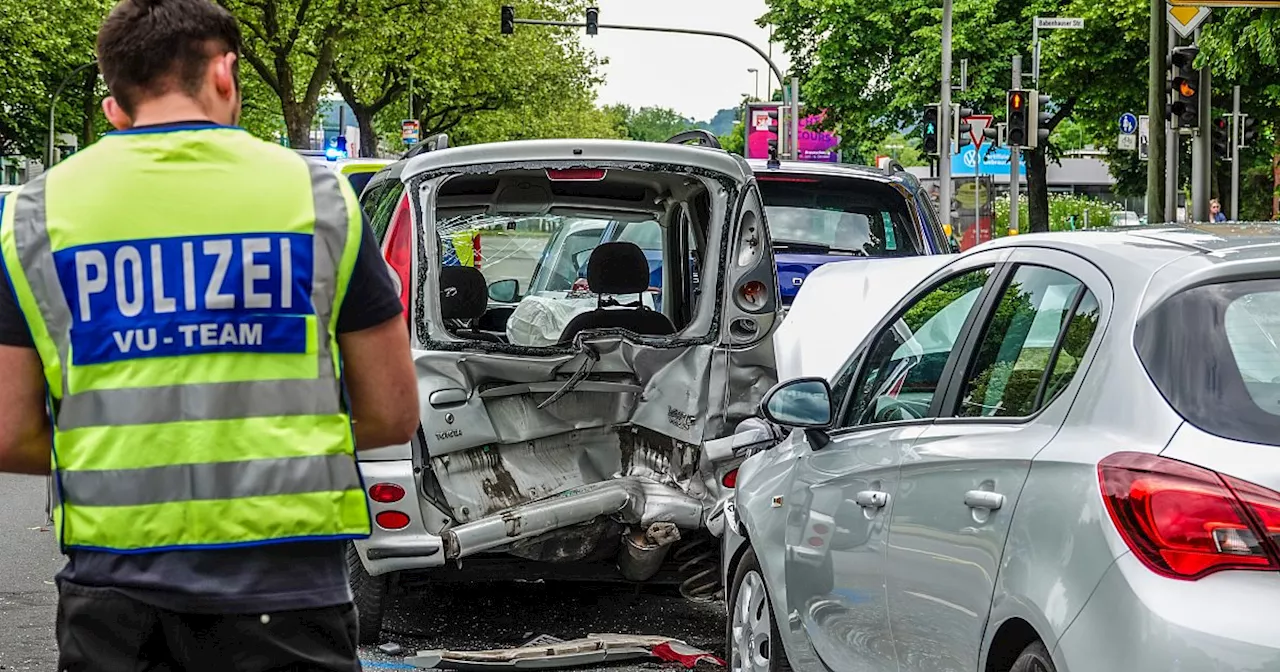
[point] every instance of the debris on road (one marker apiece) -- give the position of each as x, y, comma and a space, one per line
546, 652
391, 649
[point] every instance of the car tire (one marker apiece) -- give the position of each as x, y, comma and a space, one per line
371, 594
1034, 658
751, 631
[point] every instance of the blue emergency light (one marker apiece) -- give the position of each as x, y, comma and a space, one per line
337, 149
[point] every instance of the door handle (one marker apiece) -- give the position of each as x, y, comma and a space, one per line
983, 499
871, 499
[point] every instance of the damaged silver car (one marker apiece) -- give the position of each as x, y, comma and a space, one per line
585, 316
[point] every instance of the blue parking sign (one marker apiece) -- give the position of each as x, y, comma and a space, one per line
1128, 123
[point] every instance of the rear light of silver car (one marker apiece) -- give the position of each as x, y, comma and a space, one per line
1186, 522
399, 251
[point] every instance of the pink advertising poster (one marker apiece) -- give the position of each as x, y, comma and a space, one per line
815, 145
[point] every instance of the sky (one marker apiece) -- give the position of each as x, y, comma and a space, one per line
691, 74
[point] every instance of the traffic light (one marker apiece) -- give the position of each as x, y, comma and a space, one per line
1040, 117
961, 128
508, 19
773, 129
593, 21
1016, 116
1184, 87
930, 127
995, 134
1248, 130
1221, 138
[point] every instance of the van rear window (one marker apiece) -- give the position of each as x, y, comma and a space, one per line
1214, 353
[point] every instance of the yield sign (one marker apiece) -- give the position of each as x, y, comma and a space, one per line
977, 124
1186, 18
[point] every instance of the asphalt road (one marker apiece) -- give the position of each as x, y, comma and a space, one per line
474, 616
28, 560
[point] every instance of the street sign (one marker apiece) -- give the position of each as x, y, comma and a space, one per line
977, 124
1186, 18
1128, 124
409, 129
1127, 141
1060, 22
1144, 138
1266, 4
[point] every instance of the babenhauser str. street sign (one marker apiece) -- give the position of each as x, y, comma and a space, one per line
1059, 22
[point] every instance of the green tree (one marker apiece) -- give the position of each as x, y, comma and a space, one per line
43, 43
898, 146
652, 124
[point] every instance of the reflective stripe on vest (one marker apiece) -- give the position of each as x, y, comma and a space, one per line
185, 417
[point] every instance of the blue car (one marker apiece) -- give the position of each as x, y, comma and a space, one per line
820, 212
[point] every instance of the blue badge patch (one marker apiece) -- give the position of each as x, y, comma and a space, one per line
187, 295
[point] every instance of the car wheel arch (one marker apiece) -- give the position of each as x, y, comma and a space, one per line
1012, 637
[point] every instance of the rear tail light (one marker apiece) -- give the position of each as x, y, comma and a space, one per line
730, 479
392, 520
753, 294
1185, 522
386, 493
399, 251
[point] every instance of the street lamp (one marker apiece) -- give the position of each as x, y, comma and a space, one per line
756, 72
53, 106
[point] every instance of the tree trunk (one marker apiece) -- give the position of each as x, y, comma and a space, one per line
1037, 191
297, 121
368, 136
89, 105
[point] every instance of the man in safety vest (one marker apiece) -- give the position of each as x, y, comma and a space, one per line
201, 327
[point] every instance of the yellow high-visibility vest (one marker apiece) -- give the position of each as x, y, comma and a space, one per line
182, 287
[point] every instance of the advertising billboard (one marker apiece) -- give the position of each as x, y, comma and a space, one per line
815, 145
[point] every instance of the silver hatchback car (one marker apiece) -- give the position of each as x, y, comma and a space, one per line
1059, 452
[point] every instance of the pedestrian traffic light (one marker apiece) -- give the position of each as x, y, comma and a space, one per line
930, 128
1184, 87
960, 127
1040, 117
508, 19
1248, 130
593, 21
1221, 138
1016, 118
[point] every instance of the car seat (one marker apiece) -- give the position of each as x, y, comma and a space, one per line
464, 297
618, 268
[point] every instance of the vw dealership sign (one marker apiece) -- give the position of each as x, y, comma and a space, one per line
995, 161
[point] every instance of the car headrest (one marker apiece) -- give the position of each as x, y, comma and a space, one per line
463, 293
618, 268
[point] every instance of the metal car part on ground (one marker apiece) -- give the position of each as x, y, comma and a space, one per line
583, 457
544, 653
1116, 390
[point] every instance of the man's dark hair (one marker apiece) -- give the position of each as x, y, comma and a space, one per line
152, 47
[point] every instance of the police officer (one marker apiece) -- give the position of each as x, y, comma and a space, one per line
208, 321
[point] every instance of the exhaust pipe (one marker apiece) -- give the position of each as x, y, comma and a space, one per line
643, 552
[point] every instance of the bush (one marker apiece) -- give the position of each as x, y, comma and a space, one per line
1062, 207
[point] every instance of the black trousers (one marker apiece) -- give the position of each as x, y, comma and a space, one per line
101, 630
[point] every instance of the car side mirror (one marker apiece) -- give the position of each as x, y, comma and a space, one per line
803, 403
504, 291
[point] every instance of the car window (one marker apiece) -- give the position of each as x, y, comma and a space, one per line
383, 202
1252, 327
646, 235
1018, 344
904, 364
359, 180
839, 215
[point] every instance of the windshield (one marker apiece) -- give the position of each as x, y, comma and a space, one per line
838, 215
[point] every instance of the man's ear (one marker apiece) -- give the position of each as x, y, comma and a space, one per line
116, 114
224, 77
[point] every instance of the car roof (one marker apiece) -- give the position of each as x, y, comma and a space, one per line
761, 166
587, 151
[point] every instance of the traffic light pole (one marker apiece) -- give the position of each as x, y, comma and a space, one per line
1172, 151
1235, 154
1156, 145
793, 145
944, 124
1014, 158
1202, 148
